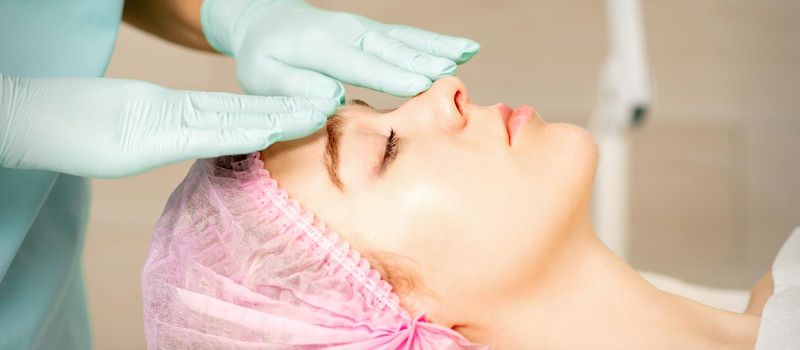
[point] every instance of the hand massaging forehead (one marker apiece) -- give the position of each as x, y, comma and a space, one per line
235, 263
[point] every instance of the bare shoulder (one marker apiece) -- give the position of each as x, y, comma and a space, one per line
759, 294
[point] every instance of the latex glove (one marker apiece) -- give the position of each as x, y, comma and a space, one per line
288, 47
97, 127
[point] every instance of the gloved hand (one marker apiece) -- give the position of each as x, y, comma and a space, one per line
288, 47
98, 127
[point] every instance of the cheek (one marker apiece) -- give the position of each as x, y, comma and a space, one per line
445, 213
404, 216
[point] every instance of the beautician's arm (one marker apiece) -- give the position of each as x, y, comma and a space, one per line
175, 20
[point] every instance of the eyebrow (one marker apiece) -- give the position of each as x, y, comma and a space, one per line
334, 130
356, 101
331, 157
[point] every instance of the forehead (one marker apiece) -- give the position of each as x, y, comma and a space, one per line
358, 108
355, 112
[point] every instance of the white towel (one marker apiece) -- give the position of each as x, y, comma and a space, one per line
780, 322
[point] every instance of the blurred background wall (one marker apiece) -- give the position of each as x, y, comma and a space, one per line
716, 169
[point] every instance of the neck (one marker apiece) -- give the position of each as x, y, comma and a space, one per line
590, 298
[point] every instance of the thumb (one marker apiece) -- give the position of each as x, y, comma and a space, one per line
215, 143
299, 124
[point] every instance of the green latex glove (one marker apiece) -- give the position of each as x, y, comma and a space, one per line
290, 48
97, 127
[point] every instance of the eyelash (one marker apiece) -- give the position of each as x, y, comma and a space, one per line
391, 150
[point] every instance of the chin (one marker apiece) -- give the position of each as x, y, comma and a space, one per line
581, 148
578, 139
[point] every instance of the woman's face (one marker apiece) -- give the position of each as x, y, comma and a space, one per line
473, 212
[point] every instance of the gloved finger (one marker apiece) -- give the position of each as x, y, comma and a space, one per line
353, 66
247, 104
291, 125
396, 52
459, 50
268, 77
215, 143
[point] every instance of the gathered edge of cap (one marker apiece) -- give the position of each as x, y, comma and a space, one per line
251, 168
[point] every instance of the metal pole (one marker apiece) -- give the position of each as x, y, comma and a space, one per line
624, 98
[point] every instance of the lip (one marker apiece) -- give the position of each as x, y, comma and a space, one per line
505, 112
513, 119
505, 115
518, 117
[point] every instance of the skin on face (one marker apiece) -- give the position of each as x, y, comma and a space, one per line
472, 215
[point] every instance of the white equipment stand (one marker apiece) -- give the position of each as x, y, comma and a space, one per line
624, 98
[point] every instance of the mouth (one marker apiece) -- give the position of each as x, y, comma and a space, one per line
514, 119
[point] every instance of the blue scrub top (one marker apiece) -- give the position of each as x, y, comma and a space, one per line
43, 214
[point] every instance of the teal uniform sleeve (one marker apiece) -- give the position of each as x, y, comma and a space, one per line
43, 214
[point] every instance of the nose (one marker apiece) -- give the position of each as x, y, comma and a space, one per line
446, 103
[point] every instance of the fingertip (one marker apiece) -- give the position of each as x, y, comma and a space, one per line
326, 106
303, 125
446, 68
418, 85
258, 140
241, 141
263, 140
320, 120
328, 88
272, 138
471, 48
